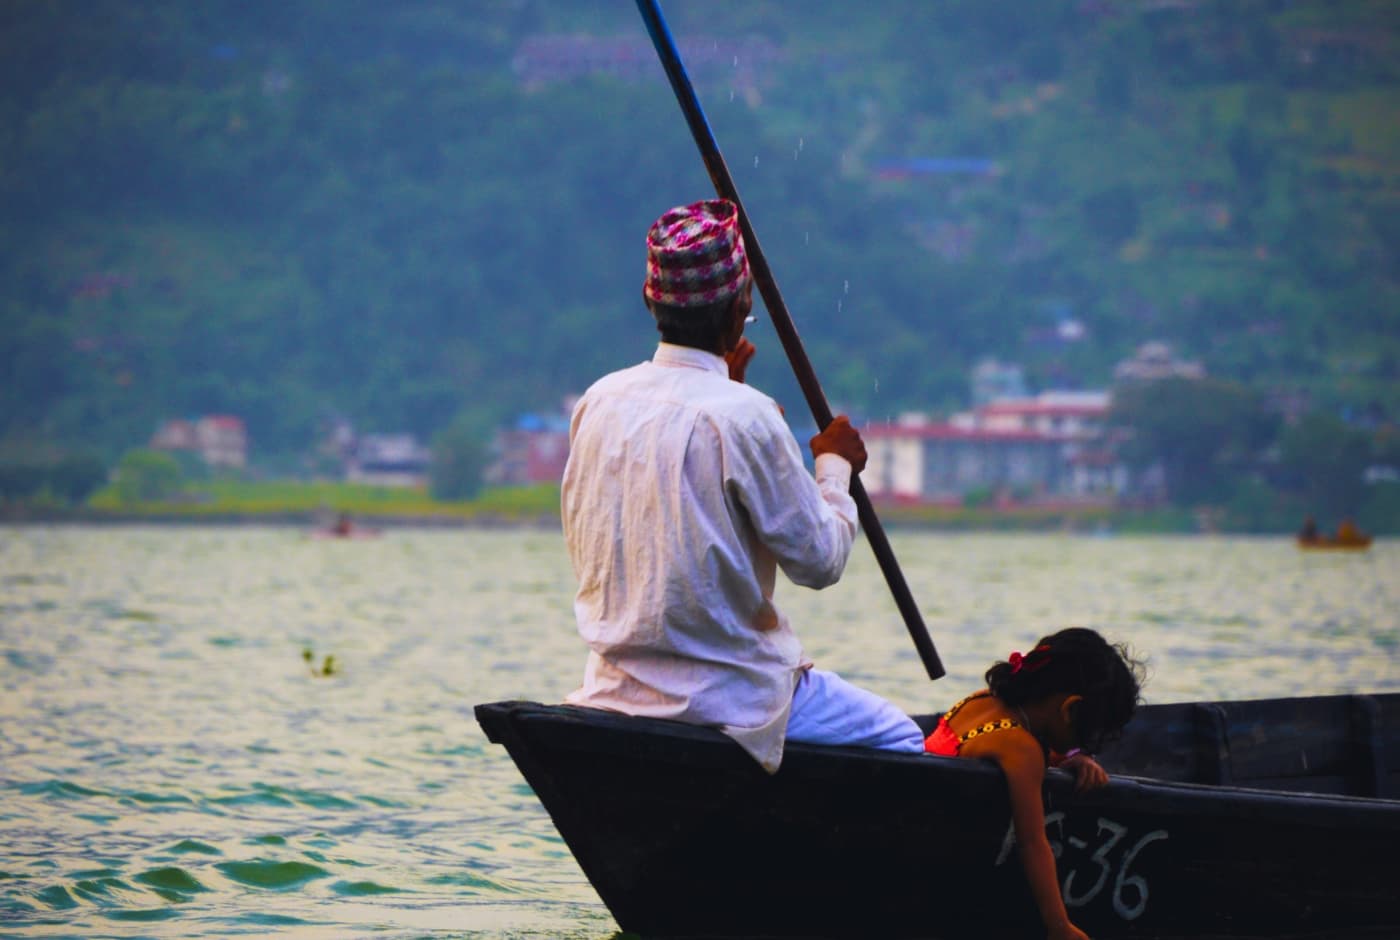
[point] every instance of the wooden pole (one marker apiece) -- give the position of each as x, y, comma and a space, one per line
782, 323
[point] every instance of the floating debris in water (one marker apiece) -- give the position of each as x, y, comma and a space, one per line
329, 667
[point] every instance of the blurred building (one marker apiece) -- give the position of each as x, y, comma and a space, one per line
993, 379
532, 450
1050, 447
548, 58
388, 460
221, 441
1155, 361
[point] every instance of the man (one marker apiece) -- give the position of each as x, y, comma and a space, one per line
684, 493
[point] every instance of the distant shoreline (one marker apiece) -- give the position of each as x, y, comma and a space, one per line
294, 519
1082, 521
540, 512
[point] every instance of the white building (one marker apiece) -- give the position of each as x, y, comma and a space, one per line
1077, 415
388, 460
221, 441
1155, 361
1044, 448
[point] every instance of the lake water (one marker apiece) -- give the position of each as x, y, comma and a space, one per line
170, 766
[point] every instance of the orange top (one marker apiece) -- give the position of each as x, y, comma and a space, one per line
945, 742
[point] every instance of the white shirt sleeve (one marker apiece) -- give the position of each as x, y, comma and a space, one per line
808, 524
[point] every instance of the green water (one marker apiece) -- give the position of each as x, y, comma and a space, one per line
171, 767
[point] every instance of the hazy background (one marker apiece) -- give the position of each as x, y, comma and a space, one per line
391, 213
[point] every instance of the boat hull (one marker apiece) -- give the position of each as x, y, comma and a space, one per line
682, 835
1328, 545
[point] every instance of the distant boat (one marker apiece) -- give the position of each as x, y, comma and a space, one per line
1347, 538
359, 532
343, 528
1357, 543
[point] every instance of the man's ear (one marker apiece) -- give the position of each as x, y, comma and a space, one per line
735, 327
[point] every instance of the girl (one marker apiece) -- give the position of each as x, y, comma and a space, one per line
1054, 705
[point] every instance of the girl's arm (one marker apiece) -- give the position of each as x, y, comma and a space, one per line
1024, 766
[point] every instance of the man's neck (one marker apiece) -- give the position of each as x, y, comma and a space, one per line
714, 347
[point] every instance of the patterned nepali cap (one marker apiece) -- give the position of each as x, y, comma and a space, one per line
695, 255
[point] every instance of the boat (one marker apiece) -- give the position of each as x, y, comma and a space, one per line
358, 532
344, 528
1264, 818
1347, 537
1356, 543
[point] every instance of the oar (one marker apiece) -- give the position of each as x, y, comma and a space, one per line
782, 322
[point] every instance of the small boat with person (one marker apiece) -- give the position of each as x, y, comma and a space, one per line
344, 528
1265, 818
1347, 537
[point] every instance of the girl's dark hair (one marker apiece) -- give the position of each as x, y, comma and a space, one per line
1075, 661
698, 327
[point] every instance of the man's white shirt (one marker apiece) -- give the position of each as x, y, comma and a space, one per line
684, 493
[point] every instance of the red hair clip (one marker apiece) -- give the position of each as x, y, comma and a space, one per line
1018, 661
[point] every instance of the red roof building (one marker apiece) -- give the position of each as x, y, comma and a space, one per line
221, 441
1045, 448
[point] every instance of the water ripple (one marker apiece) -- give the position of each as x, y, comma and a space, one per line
170, 766
275, 875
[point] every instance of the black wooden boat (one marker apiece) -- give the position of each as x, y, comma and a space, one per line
1276, 817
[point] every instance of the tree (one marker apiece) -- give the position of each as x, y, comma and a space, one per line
75, 477
1112, 213
146, 475
459, 457
1327, 459
68, 479
1201, 431
19, 480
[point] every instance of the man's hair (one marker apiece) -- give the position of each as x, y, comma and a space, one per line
699, 327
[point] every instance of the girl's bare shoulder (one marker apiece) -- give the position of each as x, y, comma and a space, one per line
1012, 748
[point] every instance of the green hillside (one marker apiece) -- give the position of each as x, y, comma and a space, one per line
294, 212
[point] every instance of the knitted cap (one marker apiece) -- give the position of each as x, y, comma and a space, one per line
695, 255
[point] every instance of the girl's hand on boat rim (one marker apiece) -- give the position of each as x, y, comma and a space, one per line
1088, 775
